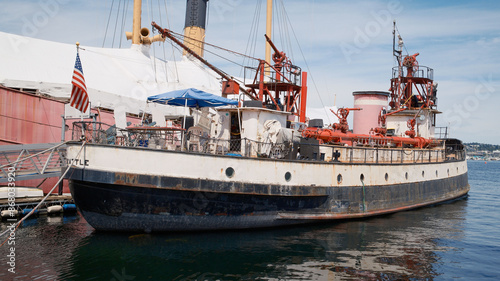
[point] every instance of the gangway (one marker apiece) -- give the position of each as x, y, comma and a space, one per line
31, 161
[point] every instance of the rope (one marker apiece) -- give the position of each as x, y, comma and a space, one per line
181, 36
364, 203
43, 200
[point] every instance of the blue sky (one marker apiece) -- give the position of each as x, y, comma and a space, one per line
347, 44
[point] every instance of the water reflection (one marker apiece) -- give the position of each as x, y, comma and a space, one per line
42, 246
400, 246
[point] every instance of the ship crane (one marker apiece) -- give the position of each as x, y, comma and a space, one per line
286, 90
168, 34
282, 86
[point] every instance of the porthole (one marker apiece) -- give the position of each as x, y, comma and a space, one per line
339, 178
406, 175
423, 174
362, 177
386, 176
230, 172
288, 176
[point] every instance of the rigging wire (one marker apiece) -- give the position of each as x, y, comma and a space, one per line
181, 36
116, 23
107, 25
399, 34
252, 35
172, 45
287, 31
163, 45
279, 24
151, 16
121, 58
201, 65
256, 32
307, 66
124, 17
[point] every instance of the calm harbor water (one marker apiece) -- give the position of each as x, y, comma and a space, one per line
458, 240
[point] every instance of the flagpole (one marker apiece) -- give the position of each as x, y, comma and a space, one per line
79, 98
81, 113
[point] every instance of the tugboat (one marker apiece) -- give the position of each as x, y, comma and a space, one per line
261, 163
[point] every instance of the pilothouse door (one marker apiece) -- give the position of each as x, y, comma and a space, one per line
235, 133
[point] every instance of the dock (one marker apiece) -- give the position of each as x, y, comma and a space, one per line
28, 162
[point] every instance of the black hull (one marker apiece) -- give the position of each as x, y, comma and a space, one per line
109, 203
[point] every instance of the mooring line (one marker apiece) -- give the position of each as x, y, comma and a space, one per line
364, 203
41, 202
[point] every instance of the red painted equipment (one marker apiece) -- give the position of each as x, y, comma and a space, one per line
412, 84
411, 125
382, 121
282, 86
335, 137
342, 114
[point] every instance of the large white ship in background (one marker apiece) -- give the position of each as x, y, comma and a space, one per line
261, 164
35, 85
118, 82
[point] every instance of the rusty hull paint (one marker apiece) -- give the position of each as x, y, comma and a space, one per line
120, 202
333, 216
196, 185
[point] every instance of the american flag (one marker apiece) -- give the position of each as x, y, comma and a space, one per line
79, 98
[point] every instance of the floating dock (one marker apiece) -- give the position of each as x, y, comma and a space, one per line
52, 205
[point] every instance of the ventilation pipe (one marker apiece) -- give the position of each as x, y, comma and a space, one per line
140, 35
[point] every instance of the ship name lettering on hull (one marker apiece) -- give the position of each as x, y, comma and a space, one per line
77, 162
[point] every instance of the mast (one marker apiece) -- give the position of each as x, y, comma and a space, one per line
140, 36
136, 23
269, 25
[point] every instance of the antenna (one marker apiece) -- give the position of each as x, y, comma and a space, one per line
396, 53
